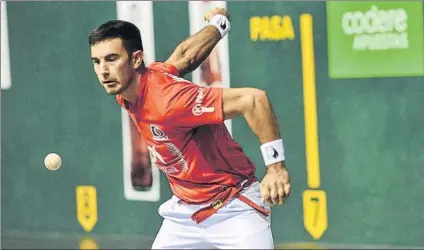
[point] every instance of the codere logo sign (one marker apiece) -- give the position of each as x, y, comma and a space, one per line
377, 29
375, 38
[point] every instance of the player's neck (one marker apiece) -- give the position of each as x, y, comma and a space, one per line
130, 94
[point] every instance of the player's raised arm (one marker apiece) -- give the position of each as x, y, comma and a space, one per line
256, 108
189, 54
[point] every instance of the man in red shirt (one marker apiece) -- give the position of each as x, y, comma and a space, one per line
217, 202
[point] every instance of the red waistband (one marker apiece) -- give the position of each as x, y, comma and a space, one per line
222, 198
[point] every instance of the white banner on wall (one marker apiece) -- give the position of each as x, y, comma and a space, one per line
215, 71
5, 60
135, 153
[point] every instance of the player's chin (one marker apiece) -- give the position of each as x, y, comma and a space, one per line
113, 91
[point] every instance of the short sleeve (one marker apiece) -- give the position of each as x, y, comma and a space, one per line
188, 104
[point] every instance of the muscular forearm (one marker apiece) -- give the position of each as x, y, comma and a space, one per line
261, 119
198, 47
253, 104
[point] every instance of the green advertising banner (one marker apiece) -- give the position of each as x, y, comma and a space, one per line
375, 39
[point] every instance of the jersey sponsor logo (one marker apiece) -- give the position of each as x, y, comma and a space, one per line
199, 97
169, 170
157, 133
198, 108
178, 155
155, 155
174, 163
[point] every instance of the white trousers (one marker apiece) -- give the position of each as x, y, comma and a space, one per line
235, 226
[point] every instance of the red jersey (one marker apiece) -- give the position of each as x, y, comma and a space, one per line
184, 129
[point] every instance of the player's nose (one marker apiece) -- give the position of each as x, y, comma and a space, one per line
105, 75
104, 71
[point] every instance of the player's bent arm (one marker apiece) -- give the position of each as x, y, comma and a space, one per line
256, 108
194, 50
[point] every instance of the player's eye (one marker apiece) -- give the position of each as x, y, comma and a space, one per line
111, 58
95, 61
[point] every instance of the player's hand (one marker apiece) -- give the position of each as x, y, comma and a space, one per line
215, 11
275, 186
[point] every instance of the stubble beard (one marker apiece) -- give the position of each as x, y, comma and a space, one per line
123, 87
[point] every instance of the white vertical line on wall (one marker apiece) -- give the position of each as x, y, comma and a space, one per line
139, 13
5, 59
197, 9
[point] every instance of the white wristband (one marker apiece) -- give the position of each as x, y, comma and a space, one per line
273, 152
222, 23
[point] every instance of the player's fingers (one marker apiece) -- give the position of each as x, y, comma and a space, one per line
268, 197
221, 11
274, 194
210, 14
287, 189
215, 11
281, 194
225, 13
264, 192
207, 17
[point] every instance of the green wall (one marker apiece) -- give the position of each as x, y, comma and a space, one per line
371, 131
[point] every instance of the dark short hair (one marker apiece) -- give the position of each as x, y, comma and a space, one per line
128, 32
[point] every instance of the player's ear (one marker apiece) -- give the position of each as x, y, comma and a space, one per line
137, 58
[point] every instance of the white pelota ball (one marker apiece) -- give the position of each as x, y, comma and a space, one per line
52, 161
